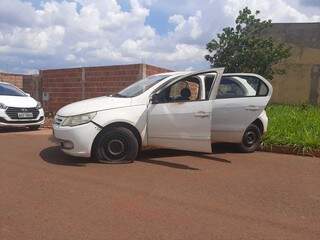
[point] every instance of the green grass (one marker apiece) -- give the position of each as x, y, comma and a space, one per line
296, 126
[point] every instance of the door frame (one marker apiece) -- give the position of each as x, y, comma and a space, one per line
214, 87
213, 93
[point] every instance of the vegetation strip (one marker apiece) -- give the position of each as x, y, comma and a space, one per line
293, 129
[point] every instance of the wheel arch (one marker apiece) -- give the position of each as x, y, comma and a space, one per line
259, 124
129, 126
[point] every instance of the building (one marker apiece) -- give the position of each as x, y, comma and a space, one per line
301, 83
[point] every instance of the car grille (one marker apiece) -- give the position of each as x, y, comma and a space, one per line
12, 112
58, 120
2, 120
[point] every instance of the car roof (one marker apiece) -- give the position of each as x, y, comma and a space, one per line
169, 74
181, 73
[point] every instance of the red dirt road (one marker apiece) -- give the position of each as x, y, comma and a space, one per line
164, 195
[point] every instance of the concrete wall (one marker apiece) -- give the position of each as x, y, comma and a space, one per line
301, 83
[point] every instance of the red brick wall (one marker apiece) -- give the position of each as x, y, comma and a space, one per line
101, 81
151, 70
31, 85
62, 85
65, 86
15, 79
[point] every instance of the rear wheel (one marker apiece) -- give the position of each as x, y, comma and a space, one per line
34, 128
251, 139
116, 145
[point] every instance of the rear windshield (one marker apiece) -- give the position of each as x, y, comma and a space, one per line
10, 90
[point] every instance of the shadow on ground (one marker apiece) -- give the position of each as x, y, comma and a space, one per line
14, 129
54, 155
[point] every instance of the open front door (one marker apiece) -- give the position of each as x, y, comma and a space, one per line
181, 113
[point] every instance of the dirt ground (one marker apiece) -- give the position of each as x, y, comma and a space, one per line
45, 194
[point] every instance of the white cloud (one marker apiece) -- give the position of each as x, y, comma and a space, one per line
190, 27
33, 40
277, 10
16, 13
183, 52
99, 32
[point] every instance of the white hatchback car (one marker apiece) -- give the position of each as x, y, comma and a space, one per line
177, 110
18, 109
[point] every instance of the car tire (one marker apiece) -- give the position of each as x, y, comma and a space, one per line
251, 139
116, 145
34, 128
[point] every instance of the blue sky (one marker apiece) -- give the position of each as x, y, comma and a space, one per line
38, 34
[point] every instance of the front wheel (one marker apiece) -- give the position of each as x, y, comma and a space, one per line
116, 145
251, 139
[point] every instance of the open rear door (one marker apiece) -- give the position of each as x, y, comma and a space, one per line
181, 119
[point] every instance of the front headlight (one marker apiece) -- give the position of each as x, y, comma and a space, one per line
78, 119
39, 105
2, 106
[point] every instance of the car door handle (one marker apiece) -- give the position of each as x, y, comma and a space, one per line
201, 114
252, 108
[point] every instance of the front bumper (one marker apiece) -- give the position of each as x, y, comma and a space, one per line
76, 141
6, 121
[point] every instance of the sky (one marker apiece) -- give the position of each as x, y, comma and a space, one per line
38, 34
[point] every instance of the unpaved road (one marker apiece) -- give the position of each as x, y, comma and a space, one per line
163, 195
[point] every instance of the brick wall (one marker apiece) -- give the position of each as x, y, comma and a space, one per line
101, 81
15, 79
31, 85
64, 86
151, 70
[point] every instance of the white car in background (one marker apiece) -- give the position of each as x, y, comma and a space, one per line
177, 110
18, 109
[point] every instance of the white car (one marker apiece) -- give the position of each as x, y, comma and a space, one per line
177, 110
18, 109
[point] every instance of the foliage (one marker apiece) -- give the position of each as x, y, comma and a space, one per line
246, 48
297, 126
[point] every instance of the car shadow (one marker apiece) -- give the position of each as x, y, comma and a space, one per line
224, 148
150, 155
14, 129
54, 155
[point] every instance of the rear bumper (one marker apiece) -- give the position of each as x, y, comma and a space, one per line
264, 119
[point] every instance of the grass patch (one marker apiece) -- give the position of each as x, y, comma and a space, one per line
295, 126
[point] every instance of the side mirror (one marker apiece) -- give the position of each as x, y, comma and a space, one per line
28, 94
155, 98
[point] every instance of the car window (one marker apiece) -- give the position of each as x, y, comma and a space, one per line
183, 90
10, 90
241, 86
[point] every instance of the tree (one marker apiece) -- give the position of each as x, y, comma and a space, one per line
246, 48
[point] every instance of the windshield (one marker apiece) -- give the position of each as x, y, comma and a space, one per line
140, 86
10, 90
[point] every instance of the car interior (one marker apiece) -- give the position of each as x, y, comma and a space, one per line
181, 91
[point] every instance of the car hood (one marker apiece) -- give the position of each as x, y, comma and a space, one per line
20, 102
93, 105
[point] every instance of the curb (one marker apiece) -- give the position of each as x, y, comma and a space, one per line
289, 150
